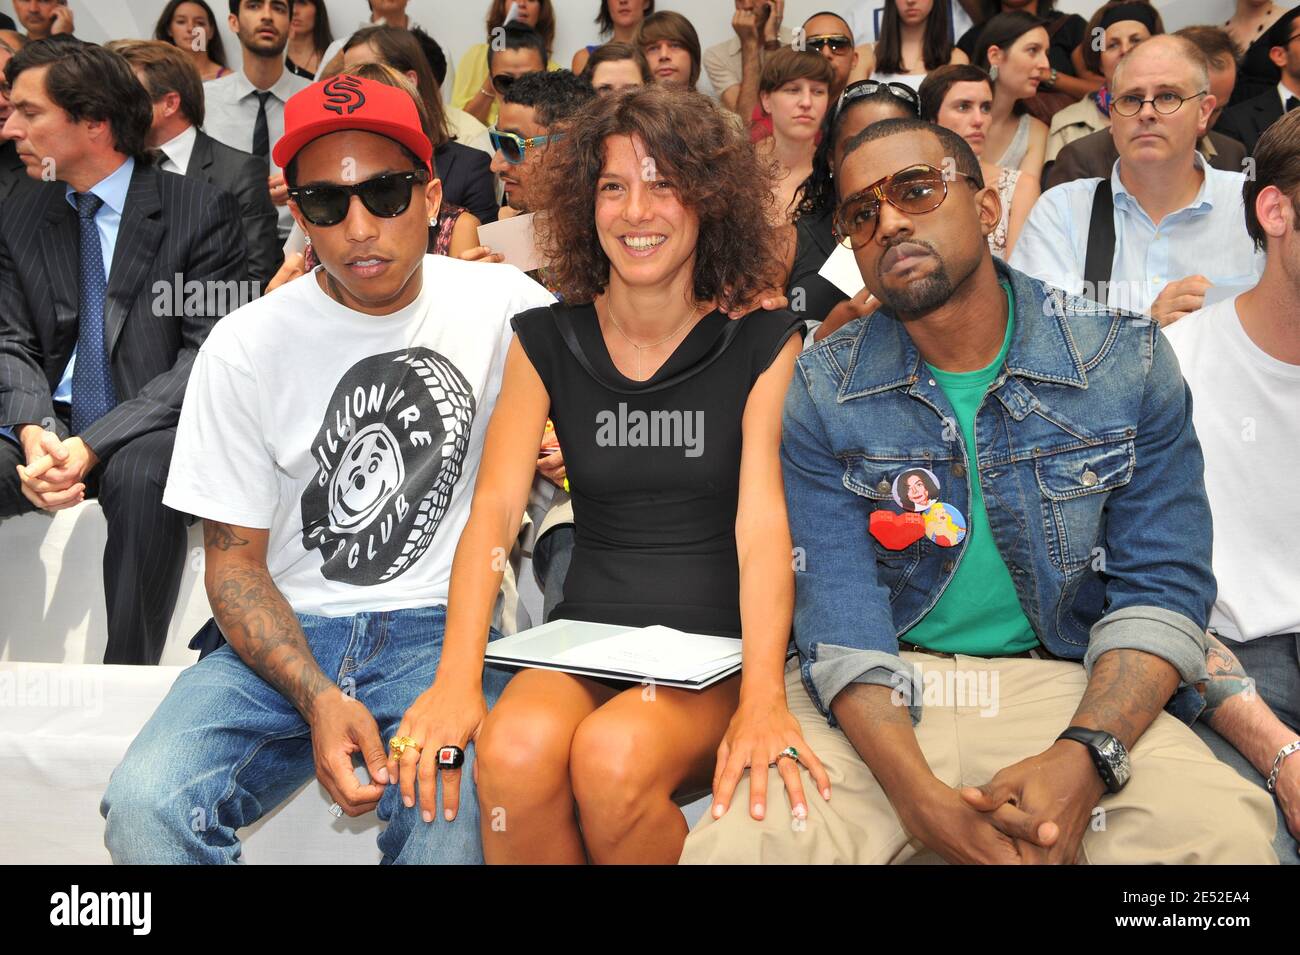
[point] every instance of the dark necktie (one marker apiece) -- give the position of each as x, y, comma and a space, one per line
1291, 103
261, 132
92, 383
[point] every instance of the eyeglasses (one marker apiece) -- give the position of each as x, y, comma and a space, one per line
838, 42
1164, 103
864, 88
513, 148
915, 190
386, 196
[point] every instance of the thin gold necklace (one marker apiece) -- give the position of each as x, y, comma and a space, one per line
639, 348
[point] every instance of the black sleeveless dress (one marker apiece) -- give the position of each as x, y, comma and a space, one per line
653, 466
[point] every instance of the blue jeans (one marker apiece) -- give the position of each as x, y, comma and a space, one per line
224, 748
551, 558
1274, 664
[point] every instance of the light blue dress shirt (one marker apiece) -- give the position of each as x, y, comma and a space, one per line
1206, 237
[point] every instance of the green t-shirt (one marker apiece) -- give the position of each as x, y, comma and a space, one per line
979, 613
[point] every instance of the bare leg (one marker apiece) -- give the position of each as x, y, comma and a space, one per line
633, 754
522, 756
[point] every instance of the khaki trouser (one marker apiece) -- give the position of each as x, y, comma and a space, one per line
979, 716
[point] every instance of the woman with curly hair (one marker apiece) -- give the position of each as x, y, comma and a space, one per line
654, 225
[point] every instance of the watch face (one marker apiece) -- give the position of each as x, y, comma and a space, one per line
1117, 758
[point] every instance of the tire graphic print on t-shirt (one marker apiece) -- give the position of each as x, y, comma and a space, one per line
390, 451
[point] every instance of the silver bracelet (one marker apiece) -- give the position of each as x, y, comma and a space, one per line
1282, 754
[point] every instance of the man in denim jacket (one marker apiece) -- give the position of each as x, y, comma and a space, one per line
951, 629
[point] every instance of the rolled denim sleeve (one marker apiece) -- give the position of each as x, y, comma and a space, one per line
1160, 581
843, 624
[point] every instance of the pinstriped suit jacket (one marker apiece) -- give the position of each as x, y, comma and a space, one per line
170, 225
13, 174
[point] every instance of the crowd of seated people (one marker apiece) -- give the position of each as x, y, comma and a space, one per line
991, 309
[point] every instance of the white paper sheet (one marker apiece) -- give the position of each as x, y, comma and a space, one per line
841, 270
514, 239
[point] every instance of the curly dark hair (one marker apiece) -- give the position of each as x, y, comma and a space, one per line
715, 173
554, 95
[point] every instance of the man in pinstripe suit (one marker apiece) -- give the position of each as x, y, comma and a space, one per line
94, 354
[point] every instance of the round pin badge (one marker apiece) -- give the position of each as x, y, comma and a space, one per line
915, 489
944, 524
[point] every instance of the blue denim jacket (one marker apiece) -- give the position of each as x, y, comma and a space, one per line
1091, 475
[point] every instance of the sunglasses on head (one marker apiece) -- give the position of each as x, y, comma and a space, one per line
386, 196
914, 190
870, 87
514, 148
838, 42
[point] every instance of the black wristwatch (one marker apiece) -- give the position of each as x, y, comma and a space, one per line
1108, 755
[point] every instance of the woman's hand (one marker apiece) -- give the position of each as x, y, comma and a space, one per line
864, 303
440, 716
279, 189
292, 269
758, 733
552, 468
768, 300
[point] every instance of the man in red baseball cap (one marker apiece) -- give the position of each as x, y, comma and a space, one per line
330, 440
353, 154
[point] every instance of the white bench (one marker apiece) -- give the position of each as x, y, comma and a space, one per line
64, 728
53, 606
66, 719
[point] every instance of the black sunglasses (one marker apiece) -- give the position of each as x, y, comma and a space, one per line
502, 82
838, 42
387, 196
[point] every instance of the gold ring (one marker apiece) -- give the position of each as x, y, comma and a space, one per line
398, 745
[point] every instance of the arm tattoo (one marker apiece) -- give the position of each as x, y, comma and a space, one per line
1227, 677
1126, 691
221, 536
263, 630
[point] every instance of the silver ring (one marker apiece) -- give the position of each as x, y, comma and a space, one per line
336, 810
788, 753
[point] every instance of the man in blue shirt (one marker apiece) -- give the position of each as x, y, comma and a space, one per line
1014, 715
94, 353
1169, 205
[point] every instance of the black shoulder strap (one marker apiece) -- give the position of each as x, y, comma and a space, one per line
1101, 241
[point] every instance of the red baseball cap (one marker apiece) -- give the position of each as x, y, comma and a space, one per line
350, 102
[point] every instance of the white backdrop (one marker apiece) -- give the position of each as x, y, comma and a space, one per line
458, 24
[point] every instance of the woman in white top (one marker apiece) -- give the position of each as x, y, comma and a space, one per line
1013, 48
960, 97
795, 91
915, 37
1123, 25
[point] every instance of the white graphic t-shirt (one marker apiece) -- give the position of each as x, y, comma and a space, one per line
354, 438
